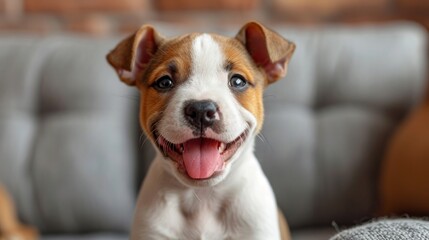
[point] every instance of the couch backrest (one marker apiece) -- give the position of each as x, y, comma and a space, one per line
69, 137
327, 123
67, 129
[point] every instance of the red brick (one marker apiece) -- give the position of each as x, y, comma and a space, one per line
129, 23
413, 4
35, 25
384, 18
77, 6
12, 9
2, 6
96, 25
326, 8
233, 23
180, 23
196, 5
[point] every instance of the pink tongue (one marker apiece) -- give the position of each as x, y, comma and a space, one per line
201, 157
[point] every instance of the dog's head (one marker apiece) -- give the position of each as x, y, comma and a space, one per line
201, 94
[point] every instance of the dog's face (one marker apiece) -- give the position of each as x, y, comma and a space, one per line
201, 94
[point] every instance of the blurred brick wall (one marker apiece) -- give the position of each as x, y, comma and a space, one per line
103, 17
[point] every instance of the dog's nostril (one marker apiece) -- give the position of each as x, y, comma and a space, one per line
201, 114
211, 114
190, 112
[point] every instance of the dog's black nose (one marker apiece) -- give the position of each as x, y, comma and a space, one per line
201, 114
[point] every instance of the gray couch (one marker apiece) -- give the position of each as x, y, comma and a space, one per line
73, 156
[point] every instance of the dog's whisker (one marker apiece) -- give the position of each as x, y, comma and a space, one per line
141, 136
196, 196
145, 141
147, 138
267, 142
261, 137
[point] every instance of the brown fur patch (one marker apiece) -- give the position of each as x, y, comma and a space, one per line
174, 52
241, 63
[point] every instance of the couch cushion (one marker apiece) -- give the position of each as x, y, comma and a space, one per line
67, 131
328, 121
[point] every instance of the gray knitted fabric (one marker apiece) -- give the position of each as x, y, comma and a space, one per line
399, 229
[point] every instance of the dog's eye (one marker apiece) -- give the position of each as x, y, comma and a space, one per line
238, 82
165, 83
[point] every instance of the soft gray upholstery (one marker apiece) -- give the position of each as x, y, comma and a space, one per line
69, 137
328, 121
66, 144
398, 229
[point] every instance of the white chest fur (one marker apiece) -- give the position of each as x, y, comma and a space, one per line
243, 208
196, 214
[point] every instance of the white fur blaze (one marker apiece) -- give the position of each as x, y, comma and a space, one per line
207, 56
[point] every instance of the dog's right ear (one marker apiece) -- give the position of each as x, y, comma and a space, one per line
268, 49
133, 54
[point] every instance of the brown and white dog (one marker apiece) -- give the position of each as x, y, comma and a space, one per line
201, 106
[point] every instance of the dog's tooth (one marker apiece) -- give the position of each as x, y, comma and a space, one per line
221, 147
179, 147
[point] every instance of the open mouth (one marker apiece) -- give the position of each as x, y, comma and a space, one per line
200, 158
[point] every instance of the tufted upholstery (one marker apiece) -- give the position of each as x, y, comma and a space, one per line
65, 140
328, 121
69, 135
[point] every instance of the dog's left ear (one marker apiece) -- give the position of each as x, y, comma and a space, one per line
268, 49
132, 55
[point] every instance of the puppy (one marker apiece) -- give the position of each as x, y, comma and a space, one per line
201, 107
